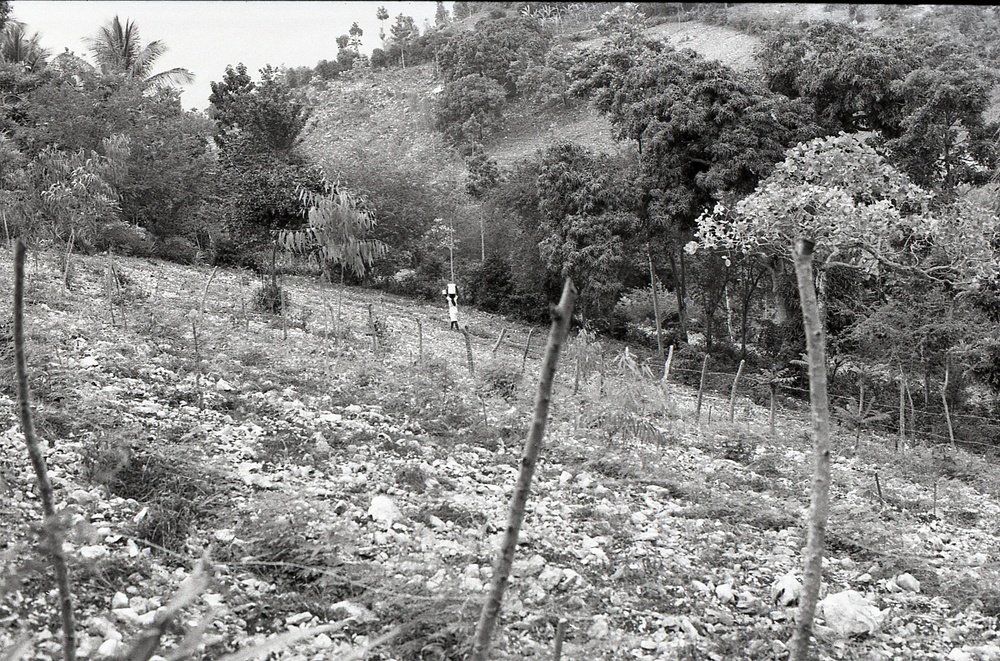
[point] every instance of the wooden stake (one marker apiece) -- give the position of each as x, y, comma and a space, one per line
420, 342
666, 365
51, 537
819, 502
561, 315
944, 399
902, 411
878, 487
560, 634
468, 349
732, 393
701, 388
527, 343
496, 346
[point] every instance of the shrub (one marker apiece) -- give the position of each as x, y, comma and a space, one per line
178, 249
271, 298
499, 379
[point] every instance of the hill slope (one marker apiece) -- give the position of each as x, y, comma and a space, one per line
341, 478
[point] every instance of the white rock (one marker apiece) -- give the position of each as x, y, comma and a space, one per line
725, 593
322, 641
908, 583
109, 648
550, 577
93, 552
384, 509
786, 589
120, 600
599, 628
849, 613
570, 579
89, 361
959, 655
699, 586
978, 559
565, 478
223, 386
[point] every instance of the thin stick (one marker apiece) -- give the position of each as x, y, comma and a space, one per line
505, 558
527, 343
371, 328
934, 510
284, 309
878, 487
944, 399
666, 365
6, 230
50, 528
204, 293
468, 349
420, 342
197, 363
496, 346
902, 410
560, 634
732, 393
701, 388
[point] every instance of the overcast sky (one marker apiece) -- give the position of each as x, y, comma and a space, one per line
204, 36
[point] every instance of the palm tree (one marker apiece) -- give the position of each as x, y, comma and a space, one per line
16, 47
117, 50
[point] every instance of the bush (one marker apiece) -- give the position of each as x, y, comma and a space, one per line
178, 249
490, 286
271, 298
125, 240
500, 379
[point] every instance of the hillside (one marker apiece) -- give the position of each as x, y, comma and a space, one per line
361, 482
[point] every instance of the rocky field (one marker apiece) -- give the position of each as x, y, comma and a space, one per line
347, 477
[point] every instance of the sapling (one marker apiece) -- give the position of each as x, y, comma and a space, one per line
732, 393
52, 536
561, 316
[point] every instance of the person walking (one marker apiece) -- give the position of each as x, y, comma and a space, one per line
453, 310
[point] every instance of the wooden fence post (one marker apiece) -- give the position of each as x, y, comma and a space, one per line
701, 389
732, 393
468, 349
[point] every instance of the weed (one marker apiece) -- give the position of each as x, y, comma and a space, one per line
498, 378
175, 486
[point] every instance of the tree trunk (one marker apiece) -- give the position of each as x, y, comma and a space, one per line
656, 302
819, 505
561, 316
679, 292
776, 268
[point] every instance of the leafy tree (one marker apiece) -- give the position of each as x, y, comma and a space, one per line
16, 47
356, 33
4, 11
944, 139
262, 170
586, 227
382, 15
462, 10
403, 32
702, 131
118, 50
850, 78
623, 24
470, 108
441, 18
343, 41
337, 231
499, 49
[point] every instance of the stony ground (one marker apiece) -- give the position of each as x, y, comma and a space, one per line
347, 488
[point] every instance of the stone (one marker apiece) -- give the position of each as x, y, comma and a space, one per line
725, 593
786, 589
384, 510
908, 583
599, 628
849, 613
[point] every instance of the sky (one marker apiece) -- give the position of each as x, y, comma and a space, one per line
204, 36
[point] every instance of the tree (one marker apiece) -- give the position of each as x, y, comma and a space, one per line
356, 33
262, 171
462, 10
499, 49
382, 15
441, 18
470, 108
944, 139
702, 132
403, 32
337, 230
850, 78
118, 50
4, 11
16, 47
